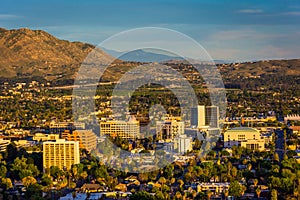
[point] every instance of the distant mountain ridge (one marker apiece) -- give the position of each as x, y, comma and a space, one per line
142, 55
26, 54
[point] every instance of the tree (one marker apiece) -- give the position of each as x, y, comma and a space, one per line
29, 180
143, 177
197, 145
3, 171
181, 183
22, 169
178, 196
255, 182
208, 194
226, 193
187, 177
162, 181
159, 195
55, 172
235, 189
234, 172
276, 157
258, 191
34, 191
46, 180
274, 194
6, 183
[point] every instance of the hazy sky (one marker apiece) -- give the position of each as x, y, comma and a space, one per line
227, 29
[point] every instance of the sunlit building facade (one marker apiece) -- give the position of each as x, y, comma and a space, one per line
60, 153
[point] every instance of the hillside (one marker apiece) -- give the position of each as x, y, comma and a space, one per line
261, 68
36, 53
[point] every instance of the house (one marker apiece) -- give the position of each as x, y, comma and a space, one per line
91, 187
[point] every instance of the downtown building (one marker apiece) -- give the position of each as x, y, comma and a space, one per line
129, 130
60, 153
169, 129
245, 137
205, 117
59, 127
183, 144
87, 138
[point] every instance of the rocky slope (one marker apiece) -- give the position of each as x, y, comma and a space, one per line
36, 53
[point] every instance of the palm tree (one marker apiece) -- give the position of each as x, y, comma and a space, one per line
255, 182
162, 181
258, 191
208, 194
178, 195
226, 193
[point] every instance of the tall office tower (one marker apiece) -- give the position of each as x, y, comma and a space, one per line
212, 116
126, 130
198, 116
169, 129
60, 153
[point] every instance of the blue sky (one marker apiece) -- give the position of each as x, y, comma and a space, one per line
227, 29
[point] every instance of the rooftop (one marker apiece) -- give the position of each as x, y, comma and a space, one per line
242, 129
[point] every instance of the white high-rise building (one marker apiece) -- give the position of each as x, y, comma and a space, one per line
60, 153
205, 117
198, 116
183, 144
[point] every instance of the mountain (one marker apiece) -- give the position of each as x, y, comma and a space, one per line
142, 55
149, 55
36, 53
261, 68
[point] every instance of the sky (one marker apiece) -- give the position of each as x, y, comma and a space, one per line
236, 30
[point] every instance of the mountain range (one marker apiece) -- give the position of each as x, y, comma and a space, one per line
26, 53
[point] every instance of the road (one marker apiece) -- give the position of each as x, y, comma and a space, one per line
279, 144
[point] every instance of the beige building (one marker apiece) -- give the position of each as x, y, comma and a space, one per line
87, 138
245, 137
60, 153
59, 127
216, 188
45, 137
169, 128
126, 130
4, 144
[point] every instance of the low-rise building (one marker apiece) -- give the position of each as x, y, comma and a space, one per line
59, 127
45, 137
183, 144
87, 138
245, 137
216, 188
4, 144
123, 129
